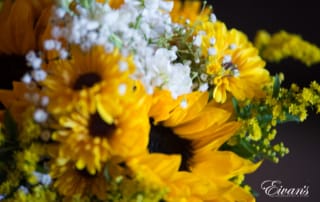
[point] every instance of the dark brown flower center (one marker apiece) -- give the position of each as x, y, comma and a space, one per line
86, 80
85, 174
163, 140
99, 128
13, 67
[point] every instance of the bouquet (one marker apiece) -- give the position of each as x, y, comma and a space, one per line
140, 100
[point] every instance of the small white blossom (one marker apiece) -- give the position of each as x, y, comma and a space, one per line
24, 189
213, 17
49, 44
44, 101
122, 88
27, 79
212, 41
63, 54
197, 40
212, 51
184, 104
203, 87
226, 59
44, 179
203, 77
39, 75
166, 5
60, 12
40, 115
235, 72
123, 66
33, 60
132, 28
233, 46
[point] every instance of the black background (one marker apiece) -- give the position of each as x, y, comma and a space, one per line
301, 166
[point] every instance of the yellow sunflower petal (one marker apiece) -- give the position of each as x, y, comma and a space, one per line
204, 120
229, 165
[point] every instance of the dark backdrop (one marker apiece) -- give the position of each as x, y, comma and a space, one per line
301, 166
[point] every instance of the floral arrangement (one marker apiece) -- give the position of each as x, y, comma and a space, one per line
140, 100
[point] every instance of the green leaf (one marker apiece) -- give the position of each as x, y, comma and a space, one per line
106, 174
293, 118
86, 3
116, 40
11, 128
138, 22
276, 86
235, 105
243, 148
245, 112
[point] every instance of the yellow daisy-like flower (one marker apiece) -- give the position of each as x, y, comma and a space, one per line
143, 177
89, 139
194, 129
94, 101
233, 62
191, 11
79, 80
71, 181
21, 23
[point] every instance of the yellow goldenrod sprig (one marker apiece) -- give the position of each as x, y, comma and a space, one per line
37, 193
126, 187
259, 118
282, 45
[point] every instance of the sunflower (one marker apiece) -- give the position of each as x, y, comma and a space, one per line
194, 128
189, 122
143, 176
80, 80
71, 181
233, 63
161, 171
217, 168
21, 25
20, 98
103, 126
192, 11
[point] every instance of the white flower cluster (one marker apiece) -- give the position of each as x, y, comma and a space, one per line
137, 27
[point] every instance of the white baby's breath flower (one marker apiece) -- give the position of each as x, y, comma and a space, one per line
27, 78
136, 27
40, 115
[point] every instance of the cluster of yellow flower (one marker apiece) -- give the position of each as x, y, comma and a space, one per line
142, 100
282, 45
